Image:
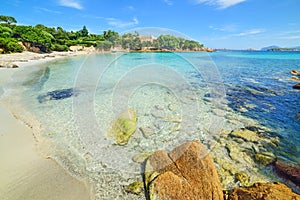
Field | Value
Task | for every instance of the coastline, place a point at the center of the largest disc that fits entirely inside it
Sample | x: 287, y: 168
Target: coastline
x: 16, y: 60
x: 24, y: 173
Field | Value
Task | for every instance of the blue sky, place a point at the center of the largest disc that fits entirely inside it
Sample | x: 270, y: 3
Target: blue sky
x: 235, y: 24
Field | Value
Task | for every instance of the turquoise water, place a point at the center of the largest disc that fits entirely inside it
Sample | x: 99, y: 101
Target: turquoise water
x: 71, y: 104
x: 263, y: 80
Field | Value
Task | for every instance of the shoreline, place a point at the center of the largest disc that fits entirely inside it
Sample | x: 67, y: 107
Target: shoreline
x: 24, y: 172
x: 16, y: 60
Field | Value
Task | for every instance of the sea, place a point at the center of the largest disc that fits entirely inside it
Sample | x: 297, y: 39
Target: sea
x: 71, y: 103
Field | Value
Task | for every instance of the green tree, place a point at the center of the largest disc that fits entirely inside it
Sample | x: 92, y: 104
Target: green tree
x: 7, y: 19
x: 5, y: 32
x: 130, y: 41
x: 84, y: 32
x: 111, y: 36
x: 104, y: 45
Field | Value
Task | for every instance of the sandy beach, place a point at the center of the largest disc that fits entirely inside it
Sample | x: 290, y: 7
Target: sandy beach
x: 24, y: 173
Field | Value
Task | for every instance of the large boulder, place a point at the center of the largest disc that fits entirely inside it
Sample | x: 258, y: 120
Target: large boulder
x: 289, y: 173
x: 264, y: 191
x: 35, y: 47
x: 123, y: 127
x: 187, y: 172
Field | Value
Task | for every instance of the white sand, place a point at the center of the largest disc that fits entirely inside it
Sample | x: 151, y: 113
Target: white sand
x: 24, y: 174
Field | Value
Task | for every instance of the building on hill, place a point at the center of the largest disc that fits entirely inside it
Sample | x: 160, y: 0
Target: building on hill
x: 147, y: 38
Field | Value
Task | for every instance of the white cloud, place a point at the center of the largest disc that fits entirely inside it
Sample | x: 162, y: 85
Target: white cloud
x: 38, y: 9
x: 226, y: 28
x: 221, y: 4
x: 71, y: 3
x: 168, y: 2
x: 122, y: 24
x: 292, y: 37
x: 250, y: 32
x: 290, y: 32
x: 130, y: 8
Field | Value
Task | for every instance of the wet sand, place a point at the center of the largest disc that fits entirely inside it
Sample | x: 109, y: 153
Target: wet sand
x: 24, y: 173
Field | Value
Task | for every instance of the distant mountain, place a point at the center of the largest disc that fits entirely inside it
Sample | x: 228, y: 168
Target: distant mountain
x: 270, y: 47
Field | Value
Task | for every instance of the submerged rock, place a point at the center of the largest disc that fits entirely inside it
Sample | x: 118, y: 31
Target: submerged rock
x: 57, y: 95
x: 135, y: 188
x: 265, y: 158
x: 265, y: 191
x: 141, y: 157
x: 123, y: 127
x: 147, y: 131
x: 297, y: 86
x: 287, y: 172
x: 245, y: 134
x: 187, y: 172
x: 243, y: 178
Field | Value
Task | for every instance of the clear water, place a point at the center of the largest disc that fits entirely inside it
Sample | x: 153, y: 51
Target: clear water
x: 177, y: 97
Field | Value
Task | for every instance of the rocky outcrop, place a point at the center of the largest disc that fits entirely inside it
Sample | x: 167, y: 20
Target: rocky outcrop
x: 187, y: 172
x: 297, y: 86
x: 123, y: 127
x: 76, y: 48
x: 241, y: 155
x: 264, y: 191
x: 289, y: 173
x: 35, y: 47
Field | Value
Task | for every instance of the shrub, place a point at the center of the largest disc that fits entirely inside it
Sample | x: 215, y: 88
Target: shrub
x: 10, y: 45
x: 58, y: 47
x: 13, y: 46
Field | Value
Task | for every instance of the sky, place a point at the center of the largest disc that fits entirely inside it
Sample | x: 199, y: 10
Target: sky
x: 231, y: 24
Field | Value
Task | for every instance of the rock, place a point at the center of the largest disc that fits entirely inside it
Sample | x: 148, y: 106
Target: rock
x: 147, y: 131
x: 187, y: 172
x: 169, y: 186
x: 264, y: 191
x: 135, y: 188
x: 227, y: 165
x: 141, y: 157
x: 57, y: 95
x: 294, y: 78
x: 14, y: 66
x: 291, y: 173
x: 175, y: 127
x: 35, y: 47
x: 297, y: 86
x: 295, y: 72
x: 8, y: 64
x: 245, y: 134
x: 173, y: 118
x: 264, y: 158
x: 76, y: 48
x: 123, y: 127
x: 242, y: 178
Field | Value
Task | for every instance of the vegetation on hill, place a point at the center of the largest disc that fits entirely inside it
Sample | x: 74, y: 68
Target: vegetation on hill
x: 14, y: 37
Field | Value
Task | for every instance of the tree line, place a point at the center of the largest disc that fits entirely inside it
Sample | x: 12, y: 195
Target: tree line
x: 57, y: 39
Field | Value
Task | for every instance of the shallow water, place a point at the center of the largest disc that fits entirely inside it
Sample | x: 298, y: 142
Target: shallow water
x: 71, y: 103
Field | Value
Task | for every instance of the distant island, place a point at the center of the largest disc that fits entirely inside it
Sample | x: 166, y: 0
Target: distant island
x: 277, y: 48
x: 43, y: 39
